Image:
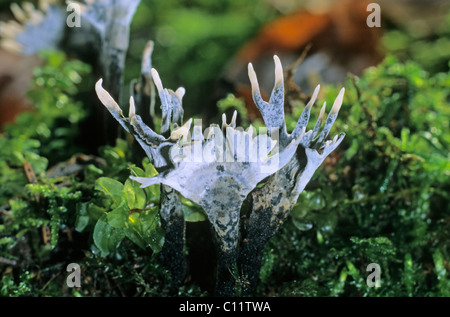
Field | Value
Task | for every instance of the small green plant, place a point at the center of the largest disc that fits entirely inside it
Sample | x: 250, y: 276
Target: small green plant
x: 48, y: 128
x: 45, y: 135
x: 123, y: 210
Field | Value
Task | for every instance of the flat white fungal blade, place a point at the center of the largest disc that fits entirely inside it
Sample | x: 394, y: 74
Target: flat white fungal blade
x: 157, y: 80
x: 132, y: 110
x: 338, y: 102
x: 278, y: 71
x: 106, y: 99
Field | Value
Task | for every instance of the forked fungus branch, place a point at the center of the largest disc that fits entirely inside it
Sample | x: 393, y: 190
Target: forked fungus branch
x: 221, y: 168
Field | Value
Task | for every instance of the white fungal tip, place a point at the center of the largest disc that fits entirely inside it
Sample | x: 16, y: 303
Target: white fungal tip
x: 338, y: 102
x: 335, y: 138
x: 278, y: 71
x: 180, y: 93
x: 322, y: 110
x: 252, y: 77
x: 313, y: 97
x: 44, y: 5
x: 181, y: 131
x: 233, y: 119
x: 251, y: 131
x: 316, y: 91
x: 28, y: 7
x: 146, y: 181
x: 132, y: 110
x: 149, y: 47
x: 232, y: 123
x: 36, y: 17
x: 210, y: 133
x: 105, y: 97
x: 11, y: 45
x: 11, y: 29
x: 157, y: 80
x: 18, y: 13
x: 146, y: 57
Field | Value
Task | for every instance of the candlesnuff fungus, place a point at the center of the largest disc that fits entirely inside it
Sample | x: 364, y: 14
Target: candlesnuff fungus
x: 221, y: 168
x: 218, y: 169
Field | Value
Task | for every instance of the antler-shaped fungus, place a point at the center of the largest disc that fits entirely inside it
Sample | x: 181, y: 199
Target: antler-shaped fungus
x: 219, y: 171
x: 272, y: 202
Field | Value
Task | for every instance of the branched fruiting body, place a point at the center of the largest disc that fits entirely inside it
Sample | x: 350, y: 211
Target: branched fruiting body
x: 221, y: 171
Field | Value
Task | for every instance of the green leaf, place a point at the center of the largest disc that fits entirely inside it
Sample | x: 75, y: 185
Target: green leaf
x: 135, y: 238
x: 136, y: 171
x: 153, y: 191
x: 95, y: 212
x: 111, y: 188
x: 134, y: 195
x: 91, y: 173
x: 149, y: 169
x: 83, y: 219
x: 107, y: 238
x: 88, y: 215
x: 145, y: 230
x: 117, y: 218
